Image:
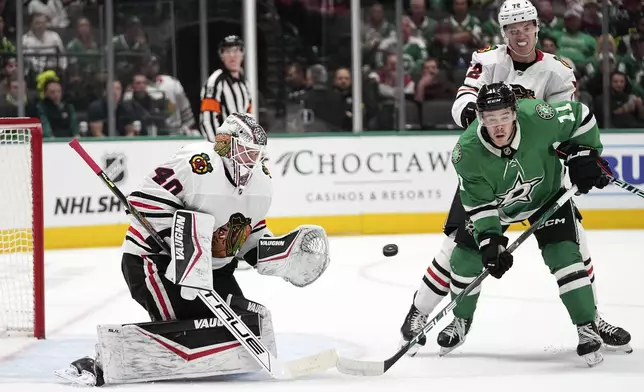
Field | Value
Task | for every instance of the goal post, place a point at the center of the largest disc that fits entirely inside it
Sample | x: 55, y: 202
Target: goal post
x: 22, y: 297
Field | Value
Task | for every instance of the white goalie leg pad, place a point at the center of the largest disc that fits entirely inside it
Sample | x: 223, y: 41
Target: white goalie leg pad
x: 146, y: 352
x: 190, y: 251
x: 300, y: 257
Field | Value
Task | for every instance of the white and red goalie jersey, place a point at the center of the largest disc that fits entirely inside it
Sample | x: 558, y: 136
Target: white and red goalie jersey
x: 195, y: 179
x: 549, y: 77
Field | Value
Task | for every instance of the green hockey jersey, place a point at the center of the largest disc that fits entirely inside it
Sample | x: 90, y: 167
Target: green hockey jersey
x: 499, y: 187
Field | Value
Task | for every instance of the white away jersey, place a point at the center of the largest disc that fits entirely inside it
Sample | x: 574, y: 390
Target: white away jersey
x: 549, y: 78
x: 195, y: 179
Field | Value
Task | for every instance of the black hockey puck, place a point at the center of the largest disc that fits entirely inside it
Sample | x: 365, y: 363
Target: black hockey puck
x: 390, y: 250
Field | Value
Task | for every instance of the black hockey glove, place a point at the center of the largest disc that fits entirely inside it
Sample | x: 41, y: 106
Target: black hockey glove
x: 586, y: 168
x: 496, y: 259
x: 521, y: 92
x: 468, y: 115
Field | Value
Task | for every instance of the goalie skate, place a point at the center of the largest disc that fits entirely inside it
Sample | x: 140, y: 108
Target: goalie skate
x: 615, y: 338
x: 453, y: 335
x: 590, y: 344
x: 83, y: 371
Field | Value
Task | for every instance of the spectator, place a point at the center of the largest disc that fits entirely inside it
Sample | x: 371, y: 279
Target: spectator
x: 9, y: 99
x: 466, y: 27
x: 375, y: 29
x: 133, y: 38
x: 572, y: 42
x: 342, y: 84
x: 414, y: 48
x: 165, y: 88
x: 146, y: 107
x: 424, y: 26
x: 58, y: 118
x: 296, y: 83
x: 98, y: 118
x: 491, y: 30
x: 323, y: 104
x: 443, y: 48
x: 84, y: 44
x: 9, y: 68
x: 632, y: 64
x: 591, y: 21
x: 386, y: 78
x: 433, y: 84
x: 54, y: 10
x: 596, y: 79
x: 7, y: 48
x: 129, y: 46
x: 625, y: 42
x: 626, y: 108
x: 46, y: 43
x: 548, y: 45
x: 624, y: 16
x: 549, y: 23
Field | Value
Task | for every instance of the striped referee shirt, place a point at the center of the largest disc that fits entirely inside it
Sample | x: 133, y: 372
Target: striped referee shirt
x: 222, y: 95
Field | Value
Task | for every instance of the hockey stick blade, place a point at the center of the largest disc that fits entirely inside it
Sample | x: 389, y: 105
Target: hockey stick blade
x: 315, y: 363
x: 376, y: 368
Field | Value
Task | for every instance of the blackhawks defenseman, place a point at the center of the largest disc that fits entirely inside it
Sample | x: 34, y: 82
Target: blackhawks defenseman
x: 508, y: 171
x: 531, y: 74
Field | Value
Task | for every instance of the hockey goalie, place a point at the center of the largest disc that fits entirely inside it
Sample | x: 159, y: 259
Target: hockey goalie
x: 208, y: 202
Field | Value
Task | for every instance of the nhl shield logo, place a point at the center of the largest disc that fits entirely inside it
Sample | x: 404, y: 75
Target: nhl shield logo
x: 545, y: 111
x: 115, y: 167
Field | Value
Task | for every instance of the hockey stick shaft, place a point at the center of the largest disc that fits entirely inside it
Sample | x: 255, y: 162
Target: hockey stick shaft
x: 370, y: 368
x: 216, y: 304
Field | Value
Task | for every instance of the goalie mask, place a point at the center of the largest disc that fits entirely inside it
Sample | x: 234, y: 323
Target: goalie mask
x: 240, y: 141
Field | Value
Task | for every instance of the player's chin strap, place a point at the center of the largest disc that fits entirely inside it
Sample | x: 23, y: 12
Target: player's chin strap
x: 300, y: 257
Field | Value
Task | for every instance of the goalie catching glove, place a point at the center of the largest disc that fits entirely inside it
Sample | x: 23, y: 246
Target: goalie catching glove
x: 299, y: 257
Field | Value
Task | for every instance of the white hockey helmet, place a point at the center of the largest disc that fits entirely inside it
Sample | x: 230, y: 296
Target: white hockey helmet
x: 241, y: 141
x: 514, y: 11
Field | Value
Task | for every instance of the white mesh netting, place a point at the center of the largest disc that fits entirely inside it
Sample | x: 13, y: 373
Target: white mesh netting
x: 16, y: 241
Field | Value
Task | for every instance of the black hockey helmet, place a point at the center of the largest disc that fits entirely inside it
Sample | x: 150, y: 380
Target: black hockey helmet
x: 231, y: 41
x: 495, y: 96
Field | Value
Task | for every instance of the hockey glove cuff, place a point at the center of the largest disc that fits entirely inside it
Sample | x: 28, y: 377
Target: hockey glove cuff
x: 495, y: 257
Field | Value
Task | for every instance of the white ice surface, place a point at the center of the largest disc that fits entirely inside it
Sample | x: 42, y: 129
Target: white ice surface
x: 521, y: 339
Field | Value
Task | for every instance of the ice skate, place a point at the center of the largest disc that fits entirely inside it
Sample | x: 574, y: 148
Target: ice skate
x: 615, y: 338
x: 84, y: 371
x: 590, y: 343
x: 453, y: 335
x: 413, y: 324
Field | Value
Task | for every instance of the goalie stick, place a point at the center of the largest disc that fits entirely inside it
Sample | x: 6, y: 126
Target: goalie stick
x: 377, y: 368
x: 280, y: 370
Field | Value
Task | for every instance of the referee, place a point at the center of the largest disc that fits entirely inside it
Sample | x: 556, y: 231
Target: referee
x: 225, y: 91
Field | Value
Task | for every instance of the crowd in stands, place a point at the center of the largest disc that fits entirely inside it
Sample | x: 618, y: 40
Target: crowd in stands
x: 439, y: 37
x: 65, y: 64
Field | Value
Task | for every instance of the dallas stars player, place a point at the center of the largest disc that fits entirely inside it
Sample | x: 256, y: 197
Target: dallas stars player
x: 531, y: 74
x: 508, y: 171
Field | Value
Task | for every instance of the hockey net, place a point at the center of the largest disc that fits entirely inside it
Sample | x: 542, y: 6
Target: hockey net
x: 21, y: 229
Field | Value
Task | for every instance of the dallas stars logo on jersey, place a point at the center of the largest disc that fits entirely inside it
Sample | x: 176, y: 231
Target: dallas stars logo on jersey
x: 520, y: 192
x: 545, y: 111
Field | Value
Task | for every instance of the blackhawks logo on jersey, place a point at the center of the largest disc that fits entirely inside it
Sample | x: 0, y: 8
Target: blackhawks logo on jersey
x: 520, y: 192
x: 488, y: 48
x: 457, y: 153
x: 545, y: 111
x: 200, y: 164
